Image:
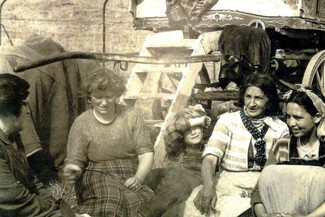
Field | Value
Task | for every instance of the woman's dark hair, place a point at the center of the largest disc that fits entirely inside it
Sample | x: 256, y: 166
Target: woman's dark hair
x: 103, y: 79
x: 13, y: 91
x: 267, y: 84
x: 302, y: 99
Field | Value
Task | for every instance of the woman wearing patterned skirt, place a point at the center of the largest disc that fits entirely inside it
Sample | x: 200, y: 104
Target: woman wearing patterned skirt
x: 109, y: 152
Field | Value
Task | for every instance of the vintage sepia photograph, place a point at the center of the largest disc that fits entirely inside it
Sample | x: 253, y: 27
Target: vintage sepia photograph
x: 162, y: 108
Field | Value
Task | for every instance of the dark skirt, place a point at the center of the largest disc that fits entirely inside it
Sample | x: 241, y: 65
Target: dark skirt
x: 101, y: 191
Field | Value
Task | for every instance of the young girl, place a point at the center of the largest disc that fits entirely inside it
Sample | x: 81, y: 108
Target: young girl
x: 295, y: 185
x: 184, y: 146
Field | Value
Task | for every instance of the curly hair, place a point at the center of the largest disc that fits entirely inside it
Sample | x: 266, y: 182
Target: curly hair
x: 191, y: 112
x: 102, y: 79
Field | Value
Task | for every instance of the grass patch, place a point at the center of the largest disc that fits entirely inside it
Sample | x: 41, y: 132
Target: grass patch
x: 65, y: 191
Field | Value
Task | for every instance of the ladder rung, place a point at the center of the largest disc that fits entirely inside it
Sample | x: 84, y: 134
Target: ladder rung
x: 165, y: 96
x: 184, y: 43
x: 160, y: 68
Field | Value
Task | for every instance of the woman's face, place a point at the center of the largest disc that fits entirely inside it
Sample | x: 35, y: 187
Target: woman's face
x: 103, y: 101
x: 193, y: 136
x: 255, y: 102
x: 299, y: 120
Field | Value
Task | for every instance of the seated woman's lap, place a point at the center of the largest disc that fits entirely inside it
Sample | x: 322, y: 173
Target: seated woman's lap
x: 231, y: 186
x: 291, y: 188
x: 102, y: 195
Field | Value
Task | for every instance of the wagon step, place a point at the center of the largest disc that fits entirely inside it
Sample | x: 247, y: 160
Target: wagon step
x: 161, y: 90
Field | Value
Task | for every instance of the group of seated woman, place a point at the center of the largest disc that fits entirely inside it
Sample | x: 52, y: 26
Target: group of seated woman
x: 261, y: 164
x: 253, y: 157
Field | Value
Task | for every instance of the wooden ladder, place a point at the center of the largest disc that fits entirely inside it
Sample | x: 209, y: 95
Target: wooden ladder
x: 150, y: 85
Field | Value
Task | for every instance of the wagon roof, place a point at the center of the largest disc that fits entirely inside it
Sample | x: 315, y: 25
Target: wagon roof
x: 299, y: 14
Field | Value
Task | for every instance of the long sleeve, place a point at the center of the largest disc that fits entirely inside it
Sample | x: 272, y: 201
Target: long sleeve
x: 17, y: 200
x: 173, y: 134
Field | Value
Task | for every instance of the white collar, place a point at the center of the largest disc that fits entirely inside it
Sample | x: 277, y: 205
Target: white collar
x: 308, y: 153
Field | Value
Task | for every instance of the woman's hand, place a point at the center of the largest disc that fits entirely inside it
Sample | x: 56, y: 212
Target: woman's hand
x: 207, y: 121
x: 203, y: 121
x: 71, y: 173
x: 144, y: 167
x: 133, y: 183
x: 205, y: 201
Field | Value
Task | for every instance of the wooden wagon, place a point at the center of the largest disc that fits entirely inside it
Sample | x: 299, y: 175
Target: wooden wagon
x: 176, y: 57
x: 295, y: 27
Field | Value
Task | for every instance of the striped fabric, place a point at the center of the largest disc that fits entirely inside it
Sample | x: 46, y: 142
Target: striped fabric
x: 101, y: 191
x: 281, y: 150
x: 230, y: 140
x: 286, y: 151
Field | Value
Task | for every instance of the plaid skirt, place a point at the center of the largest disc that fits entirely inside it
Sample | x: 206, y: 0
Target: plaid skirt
x: 101, y: 191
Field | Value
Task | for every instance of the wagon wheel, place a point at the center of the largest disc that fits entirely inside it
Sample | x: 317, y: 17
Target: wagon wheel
x: 314, y: 76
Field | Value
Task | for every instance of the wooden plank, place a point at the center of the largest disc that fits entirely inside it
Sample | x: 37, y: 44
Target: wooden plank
x: 182, y: 97
x: 135, y: 83
x: 217, y: 95
x: 173, y: 68
x: 165, y: 37
x: 147, y: 96
x: 182, y: 43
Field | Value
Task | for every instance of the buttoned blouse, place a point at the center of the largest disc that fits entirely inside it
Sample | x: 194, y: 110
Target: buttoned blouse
x: 230, y: 141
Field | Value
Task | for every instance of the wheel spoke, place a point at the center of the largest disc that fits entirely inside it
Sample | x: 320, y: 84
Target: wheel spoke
x: 322, y: 73
x: 317, y: 79
x: 314, y: 76
x: 320, y: 78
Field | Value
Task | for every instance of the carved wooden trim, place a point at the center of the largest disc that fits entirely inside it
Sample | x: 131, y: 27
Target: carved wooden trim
x: 214, y: 20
